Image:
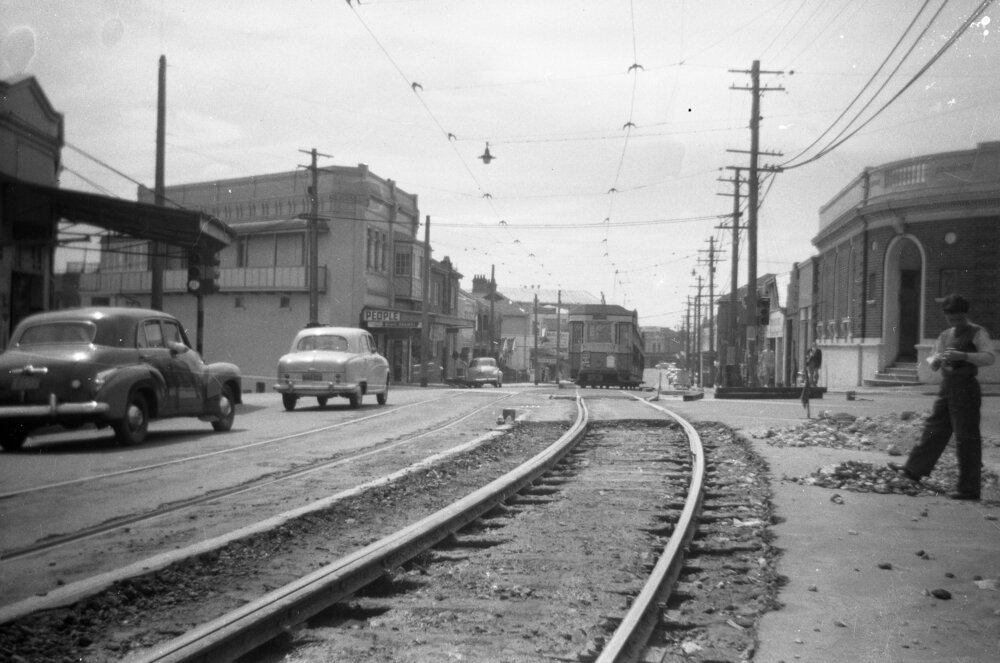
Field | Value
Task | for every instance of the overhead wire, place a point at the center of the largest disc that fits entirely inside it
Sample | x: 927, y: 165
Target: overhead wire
x: 839, y: 140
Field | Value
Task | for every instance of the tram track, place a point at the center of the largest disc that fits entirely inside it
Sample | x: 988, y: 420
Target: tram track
x: 482, y: 524
x: 268, y: 480
x: 149, y: 467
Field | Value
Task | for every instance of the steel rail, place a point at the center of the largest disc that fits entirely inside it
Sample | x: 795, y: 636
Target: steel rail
x: 632, y: 634
x: 238, y: 632
x: 52, y: 542
x: 228, y: 450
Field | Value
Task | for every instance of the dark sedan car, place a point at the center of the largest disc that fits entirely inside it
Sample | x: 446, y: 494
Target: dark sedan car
x: 118, y: 367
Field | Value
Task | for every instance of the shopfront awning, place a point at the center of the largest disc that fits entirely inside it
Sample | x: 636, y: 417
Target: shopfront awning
x: 30, y: 206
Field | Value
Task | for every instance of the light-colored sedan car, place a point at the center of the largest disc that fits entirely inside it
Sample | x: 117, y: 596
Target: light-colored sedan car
x: 483, y: 370
x: 332, y: 361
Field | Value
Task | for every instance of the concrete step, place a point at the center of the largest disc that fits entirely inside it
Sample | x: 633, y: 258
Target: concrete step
x: 881, y: 380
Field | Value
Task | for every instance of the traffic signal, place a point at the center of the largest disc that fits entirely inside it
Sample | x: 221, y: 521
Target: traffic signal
x: 202, y: 275
x: 210, y: 277
x: 763, y: 310
x: 194, y: 279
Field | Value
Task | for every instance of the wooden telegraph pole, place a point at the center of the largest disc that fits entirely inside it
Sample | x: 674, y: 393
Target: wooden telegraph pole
x: 754, y: 184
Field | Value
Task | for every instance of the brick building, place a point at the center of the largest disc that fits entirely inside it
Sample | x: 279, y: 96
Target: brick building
x: 891, y: 245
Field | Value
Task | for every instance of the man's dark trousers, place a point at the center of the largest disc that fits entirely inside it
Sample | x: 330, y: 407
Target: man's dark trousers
x: 956, y: 410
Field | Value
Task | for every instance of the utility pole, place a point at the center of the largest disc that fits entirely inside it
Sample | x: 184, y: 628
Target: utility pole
x: 535, y: 327
x: 711, y: 311
x: 754, y: 181
x: 732, y: 334
x: 558, y: 332
x: 687, y: 339
x: 493, y: 351
x: 313, y: 237
x: 425, y: 336
x: 157, y: 248
x: 697, y: 322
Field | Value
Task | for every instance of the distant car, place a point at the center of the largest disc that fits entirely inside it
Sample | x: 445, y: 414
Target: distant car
x: 332, y: 361
x: 483, y: 370
x: 118, y: 367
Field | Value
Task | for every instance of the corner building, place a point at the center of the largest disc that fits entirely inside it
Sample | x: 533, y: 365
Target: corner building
x: 370, y: 270
x: 891, y: 245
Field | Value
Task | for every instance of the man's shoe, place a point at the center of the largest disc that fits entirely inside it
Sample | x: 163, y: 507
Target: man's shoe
x: 963, y: 496
x: 902, y: 471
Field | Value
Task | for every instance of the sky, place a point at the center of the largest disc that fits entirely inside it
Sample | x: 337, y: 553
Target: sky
x: 615, y: 124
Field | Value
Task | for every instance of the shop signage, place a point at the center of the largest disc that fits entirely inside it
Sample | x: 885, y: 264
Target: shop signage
x: 376, y: 317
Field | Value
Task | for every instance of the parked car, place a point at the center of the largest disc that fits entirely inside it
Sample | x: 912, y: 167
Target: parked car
x: 483, y: 370
x: 118, y: 367
x: 332, y: 361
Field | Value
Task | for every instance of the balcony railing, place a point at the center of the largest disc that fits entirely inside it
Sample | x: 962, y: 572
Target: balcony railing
x: 239, y: 279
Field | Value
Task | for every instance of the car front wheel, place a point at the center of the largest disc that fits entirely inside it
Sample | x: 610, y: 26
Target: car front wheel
x: 383, y: 395
x: 288, y: 400
x: 227, y: 410
x: 355, y: 399
x: 131, y: 429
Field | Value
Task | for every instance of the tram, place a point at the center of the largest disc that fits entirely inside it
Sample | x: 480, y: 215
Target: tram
x: 605, y: 346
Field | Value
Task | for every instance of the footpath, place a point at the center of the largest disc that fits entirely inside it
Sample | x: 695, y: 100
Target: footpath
x: 864, y: 570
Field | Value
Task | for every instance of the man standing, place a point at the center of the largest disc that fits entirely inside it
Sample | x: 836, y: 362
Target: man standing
x: 814, y: 359
x: 959, y: 352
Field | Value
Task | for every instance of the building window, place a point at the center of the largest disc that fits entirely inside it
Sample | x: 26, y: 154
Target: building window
x: 238, y: 302
x: 290, y: 250
x: 949, y: 282
x: 285, y: 303
x: 370, y: 260
x: 404, y: 264
x: 384, y: 242
x: 242, y: 246
x: 100, y: 301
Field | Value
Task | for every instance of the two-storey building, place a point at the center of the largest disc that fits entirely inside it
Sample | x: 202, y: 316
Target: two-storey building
x: 370, y: 269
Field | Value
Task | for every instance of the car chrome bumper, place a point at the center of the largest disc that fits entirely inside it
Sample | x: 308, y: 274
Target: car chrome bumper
x: 54, y: 409
x: 311, y: 388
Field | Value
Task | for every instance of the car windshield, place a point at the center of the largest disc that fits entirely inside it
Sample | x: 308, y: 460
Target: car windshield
x: 56, y: 333
x: 324, y: 342
x: 483, y: 362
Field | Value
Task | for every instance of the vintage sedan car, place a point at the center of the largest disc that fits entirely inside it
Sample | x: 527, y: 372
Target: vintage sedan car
x: 483, y: 370
x: 118, y: 367
x: 332, y: 361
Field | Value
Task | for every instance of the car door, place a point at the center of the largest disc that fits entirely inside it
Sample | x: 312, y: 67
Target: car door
x: 373, y: 365
x: 186, y: 366
x: 153, y: 351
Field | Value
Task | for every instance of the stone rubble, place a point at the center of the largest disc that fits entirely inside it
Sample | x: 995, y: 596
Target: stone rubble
x: 890, y: 434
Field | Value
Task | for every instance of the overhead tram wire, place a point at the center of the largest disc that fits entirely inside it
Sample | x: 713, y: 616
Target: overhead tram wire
x: 634, y: 70
x: 413, y: 85
x: 977, y: 12
x: 593, y: 224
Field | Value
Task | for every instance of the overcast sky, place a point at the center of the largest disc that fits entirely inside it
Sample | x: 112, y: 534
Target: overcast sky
x: 611, y: 120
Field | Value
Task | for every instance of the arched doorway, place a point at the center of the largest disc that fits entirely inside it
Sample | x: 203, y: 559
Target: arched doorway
x: 903, y: 310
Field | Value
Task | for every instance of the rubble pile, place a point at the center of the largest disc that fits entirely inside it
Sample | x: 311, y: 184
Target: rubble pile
x: 892, y: 434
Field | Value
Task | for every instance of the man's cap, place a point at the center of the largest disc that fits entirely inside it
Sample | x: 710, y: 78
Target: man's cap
x: 955, y: 304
